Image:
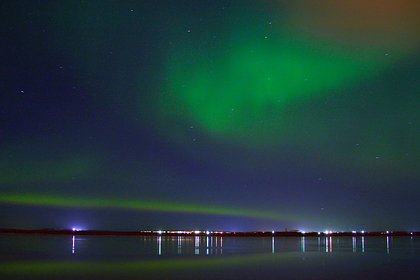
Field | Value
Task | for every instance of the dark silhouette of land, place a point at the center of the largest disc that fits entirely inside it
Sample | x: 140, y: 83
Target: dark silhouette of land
x: 204, y: 233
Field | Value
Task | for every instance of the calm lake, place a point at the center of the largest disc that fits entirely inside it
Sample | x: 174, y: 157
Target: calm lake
x: 103, y: 257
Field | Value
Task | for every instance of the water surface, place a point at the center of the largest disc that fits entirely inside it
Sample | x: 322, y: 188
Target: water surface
x: 194, y: 257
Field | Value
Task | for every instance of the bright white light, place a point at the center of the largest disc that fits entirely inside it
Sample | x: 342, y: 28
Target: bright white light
x: 303, y: 232
x: 319, y: 233
x: 272, y: 231
x: 363, y: 232
x: 207, y: 232
x: 326, y: 232
x: 73, y: 244
x: 353, y: 231
x: 411, y: 233
x: 387, y: 232
x: 159, y: 232
x: 73, y: 229
x: 197, y: 232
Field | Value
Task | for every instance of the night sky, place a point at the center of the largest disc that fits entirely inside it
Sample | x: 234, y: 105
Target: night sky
x: 231, y: 115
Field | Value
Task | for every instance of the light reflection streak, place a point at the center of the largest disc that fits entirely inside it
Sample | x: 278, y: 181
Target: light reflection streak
x: 159, y: 243
x: 207, y: 245
x: 197, y: 245
x: 272, y: 245
x: 303, y: 244
x: 387, y: 244
x: 326, y: 244
x: 331, y: 245
x: 363, y: 244
x: 354, y: 241
x: 73, y: 247
x: 179, y: 245
x: 221, y: 245
x: 162, y: 267
x: 319, y: 244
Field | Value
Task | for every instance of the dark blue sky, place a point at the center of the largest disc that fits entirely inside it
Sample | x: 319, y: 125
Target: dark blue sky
x: 235, y: 115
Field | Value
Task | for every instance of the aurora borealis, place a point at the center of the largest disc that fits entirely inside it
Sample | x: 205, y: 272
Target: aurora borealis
x: 238, y: 115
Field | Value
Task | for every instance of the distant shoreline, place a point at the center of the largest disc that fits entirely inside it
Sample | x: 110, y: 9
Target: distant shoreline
x: 203, y: 233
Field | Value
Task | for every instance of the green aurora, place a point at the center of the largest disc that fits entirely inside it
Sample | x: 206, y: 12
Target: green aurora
x: 245, y: 105
x: 125, y: 204
x: 245, y: 93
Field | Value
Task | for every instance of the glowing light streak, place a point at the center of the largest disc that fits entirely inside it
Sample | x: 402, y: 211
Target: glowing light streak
x: 159, y: 245
x: 354, y: 242
x: 331, y: 245
x: 197, y: 245
x: 179, y: 245
x: 363, y: 244
x: 303, y: 244
x: 73, y: 247
x: 326, y: 245
x: 207, y: 245
x: 155, y: 206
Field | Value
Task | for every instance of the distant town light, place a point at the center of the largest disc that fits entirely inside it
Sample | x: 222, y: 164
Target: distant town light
x: 73, y: 229
x: 319, y: 232
x: 387, y: 232
x: 303, y: 232
x: 197, y: 232
x: 159, y: 232
x: 272, y: 231
x: 363, y: 232
x: 353, y: 231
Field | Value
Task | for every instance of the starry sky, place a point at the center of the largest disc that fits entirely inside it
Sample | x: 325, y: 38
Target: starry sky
x: 231, y: 115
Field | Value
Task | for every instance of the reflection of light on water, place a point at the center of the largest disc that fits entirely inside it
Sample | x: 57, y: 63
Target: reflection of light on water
x: 272, y: 245
x: 363, y: 244
x: 354, y: 243
x: 331, y: 245
x: 159, y: 243
x: 387, y: 244
x: 326, y: 244
x: 73, y: 247
x: 215, y: 243
x: 179, y: 245
x: 303, y: 244
x: 319, y: 244
x: 197, y: 245
x: 219, y: 245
